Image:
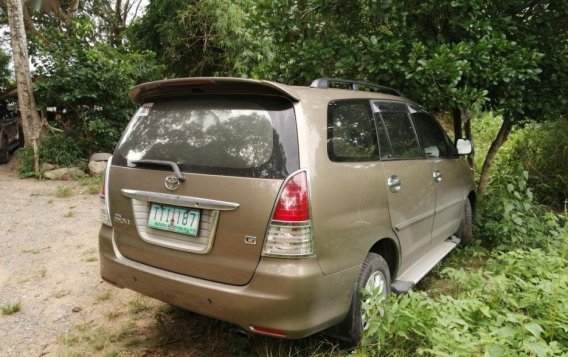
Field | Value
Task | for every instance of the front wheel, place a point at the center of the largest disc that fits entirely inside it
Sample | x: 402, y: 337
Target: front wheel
x: 375, y: 280
x: 465, y: 231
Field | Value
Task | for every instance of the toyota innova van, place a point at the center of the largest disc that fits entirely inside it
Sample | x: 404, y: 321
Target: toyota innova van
x: 272, y: 206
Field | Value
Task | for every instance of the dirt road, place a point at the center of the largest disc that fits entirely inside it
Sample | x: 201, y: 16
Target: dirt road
x: 48, y: 261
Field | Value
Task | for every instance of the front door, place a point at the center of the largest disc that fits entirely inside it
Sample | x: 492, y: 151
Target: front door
x: 447, y: 174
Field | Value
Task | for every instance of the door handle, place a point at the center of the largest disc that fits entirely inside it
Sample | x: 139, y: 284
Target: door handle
x: 437, y: 176
x: 394, y: 183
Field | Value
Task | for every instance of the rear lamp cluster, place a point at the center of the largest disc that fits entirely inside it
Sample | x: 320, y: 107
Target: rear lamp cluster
x: 289, y: 233
x: 104, y: 213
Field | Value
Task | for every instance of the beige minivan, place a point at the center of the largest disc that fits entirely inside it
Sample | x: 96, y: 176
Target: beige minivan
x: 272, y: 206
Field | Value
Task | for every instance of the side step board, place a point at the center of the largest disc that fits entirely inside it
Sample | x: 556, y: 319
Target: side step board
x: 411, y: 276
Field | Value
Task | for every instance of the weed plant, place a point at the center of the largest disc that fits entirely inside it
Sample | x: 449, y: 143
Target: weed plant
x: 10, y: 309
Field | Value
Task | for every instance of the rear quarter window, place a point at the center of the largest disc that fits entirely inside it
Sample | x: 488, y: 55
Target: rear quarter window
x: 351, y: 132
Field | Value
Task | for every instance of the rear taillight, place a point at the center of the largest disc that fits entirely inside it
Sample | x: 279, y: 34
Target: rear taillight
x: 105, y: 214
x: 289, y: 233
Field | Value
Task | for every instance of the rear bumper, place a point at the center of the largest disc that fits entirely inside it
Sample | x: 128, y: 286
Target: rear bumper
x: 292, y: 296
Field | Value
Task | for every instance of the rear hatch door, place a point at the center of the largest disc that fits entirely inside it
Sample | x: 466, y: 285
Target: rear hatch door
x: 234, y: 151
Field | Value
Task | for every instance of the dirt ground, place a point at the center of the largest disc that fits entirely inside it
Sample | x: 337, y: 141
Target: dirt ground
x: 48, y: 262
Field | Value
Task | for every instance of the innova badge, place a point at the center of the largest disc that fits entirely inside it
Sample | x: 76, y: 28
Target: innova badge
x: 172, y: 183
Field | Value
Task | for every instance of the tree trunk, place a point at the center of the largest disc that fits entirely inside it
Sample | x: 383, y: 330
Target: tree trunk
x: 468, y: 136
x: 31, y: 122
x: 495, y: 145
x: 457, y: 118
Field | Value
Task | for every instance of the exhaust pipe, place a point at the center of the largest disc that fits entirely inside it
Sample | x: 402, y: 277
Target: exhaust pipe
x: 241, y: 332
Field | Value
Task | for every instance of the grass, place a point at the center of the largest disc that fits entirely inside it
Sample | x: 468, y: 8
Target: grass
x: 92, y: 184
x: 61, y: 293
x: 104, y: 296
x: 69, y: 214
x: 138, y: 305
x: 163, y: 330
x: 11, y: 308
x: 63, y: 192
x: 31, y: 251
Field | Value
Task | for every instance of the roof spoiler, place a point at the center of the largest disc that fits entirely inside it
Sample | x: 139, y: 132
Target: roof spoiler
x: 214, y: 85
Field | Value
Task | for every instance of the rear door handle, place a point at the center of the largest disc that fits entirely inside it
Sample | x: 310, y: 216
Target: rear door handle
x: 394, y: 183
x: 437, y: 176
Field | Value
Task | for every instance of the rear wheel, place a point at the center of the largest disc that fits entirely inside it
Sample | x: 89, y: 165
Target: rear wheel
x: 465, y: 231
x: 21, y: 141
x: 375, y: 279
x: 4, y: 151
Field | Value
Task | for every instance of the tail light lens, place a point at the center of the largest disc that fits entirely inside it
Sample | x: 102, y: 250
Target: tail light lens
x: 105, y: 214
x: 289, y: 233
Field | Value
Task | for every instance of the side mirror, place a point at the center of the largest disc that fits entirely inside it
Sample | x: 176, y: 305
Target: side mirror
x: 464, y: 147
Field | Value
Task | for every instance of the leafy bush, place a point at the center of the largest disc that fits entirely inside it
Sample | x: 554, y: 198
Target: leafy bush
x: 87, y: 82
x: 511, y: 217
x: 57, y: 149
x: 516, y: 304
x: 542, y: 149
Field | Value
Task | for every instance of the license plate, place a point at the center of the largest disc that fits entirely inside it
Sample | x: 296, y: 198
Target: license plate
x: 174, y: 219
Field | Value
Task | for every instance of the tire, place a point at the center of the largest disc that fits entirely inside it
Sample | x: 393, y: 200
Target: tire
x: 4, y: 151
x: 21, y: 140
x: 465, y: 231
x: 374, y: 270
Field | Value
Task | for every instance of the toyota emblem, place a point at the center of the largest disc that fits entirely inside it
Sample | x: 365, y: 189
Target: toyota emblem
x: 172, y: 183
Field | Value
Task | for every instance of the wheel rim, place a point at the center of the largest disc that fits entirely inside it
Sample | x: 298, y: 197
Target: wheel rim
x: 376, y: 287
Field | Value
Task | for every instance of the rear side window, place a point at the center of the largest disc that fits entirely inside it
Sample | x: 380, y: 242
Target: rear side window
x: 234, y: 135
x: 351, y: 133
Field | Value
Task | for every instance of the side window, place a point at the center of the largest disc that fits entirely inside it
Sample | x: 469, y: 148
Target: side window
x: 433, y: 141
x: 351, y: 133
x: 401, y: 134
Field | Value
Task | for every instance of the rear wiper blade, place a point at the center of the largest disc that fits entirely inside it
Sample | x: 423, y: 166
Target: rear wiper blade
x: 173, y: 165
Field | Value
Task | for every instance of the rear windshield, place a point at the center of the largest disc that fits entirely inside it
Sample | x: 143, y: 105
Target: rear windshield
x: 252, y: 136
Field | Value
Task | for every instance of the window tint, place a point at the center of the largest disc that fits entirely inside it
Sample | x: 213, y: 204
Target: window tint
x: 401, y: 134
x: 231, y: 135
x: 384, y: 145
x: 351, y: 131
x: 432, y: 138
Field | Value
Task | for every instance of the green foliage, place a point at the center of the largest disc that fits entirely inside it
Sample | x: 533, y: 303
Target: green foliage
x: 10, y: 309
x: 88, y: 82
x: 5, y: 74
x: 484, y: 129
x: 516, y: 304
x: 510, y: 215
x: 201, y: 38
x: 542, y: 150
x: 467, y: 54
x: 55, y: 149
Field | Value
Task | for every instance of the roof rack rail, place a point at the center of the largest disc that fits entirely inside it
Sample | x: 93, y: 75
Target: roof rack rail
x: 354, y: 85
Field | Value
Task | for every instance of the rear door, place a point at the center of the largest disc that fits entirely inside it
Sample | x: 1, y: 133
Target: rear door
x: 447, y: 172
x: 410, y: 187
x: 234, y: 152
